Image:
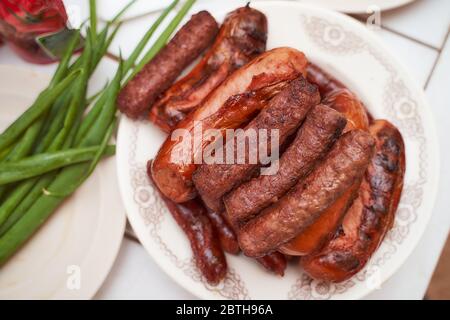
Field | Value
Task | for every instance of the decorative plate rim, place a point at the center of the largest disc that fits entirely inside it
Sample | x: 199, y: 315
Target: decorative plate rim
x: 358, y: 6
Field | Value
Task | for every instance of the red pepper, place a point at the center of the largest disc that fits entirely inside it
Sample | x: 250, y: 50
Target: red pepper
x: 23, y: 21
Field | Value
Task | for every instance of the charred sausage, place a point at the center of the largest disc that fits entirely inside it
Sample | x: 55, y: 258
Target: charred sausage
x: 172, y: 171
x: 322, y: 79
x: 241, y: 38
x: 350, y: 106
x: 157, y: 75
x: 317, y: 134
x: 209, y: 257
x: 224, y: 231
x: 314, y: 236
x: 341, y: 99
x: 274, y: 262
x: 371, y: 215
x: 303, y: 205
x: 337, y: 96
x: 285, y: 113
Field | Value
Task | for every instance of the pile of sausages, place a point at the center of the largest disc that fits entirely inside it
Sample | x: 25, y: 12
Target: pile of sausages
x: 340, y: 172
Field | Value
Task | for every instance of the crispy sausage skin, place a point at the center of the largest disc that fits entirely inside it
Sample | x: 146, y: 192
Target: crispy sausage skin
x: 284, y: 113
x: 274, y: 262
x: 156, y: 77
x: 371, y: 215
x: 192, y: 217
x: 304, y: 204
x: 225, y: 232
x: 350, y: 106
x: 241, y: 38
x: 314, y: 236
x: 322, y: 79
x: 171, y: 170
x: 347, y: 103
x: 337, y: 96
x: 315, y: 137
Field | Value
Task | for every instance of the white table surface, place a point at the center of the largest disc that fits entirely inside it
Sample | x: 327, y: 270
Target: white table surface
x: 418, y: 34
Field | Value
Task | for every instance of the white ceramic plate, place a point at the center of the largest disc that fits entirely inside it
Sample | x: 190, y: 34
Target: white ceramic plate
x: 107, y: 9
x: 358, y: 6
x: 83, y: 236
x: 346, y: 49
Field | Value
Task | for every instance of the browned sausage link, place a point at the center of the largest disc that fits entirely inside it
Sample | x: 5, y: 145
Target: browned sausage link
x: 227, y: 236
x: 172, y: 171
x: 157, y: 75
x: 274, y: 262
x: 349, y: 105
x: 284, y: 113
x: 192, y: 217
x: 303, y: 205
x: 371, y: 214
x: 337, y: 96
x: 315, y: 137
x: 322, y: 79
x: 315, y: 236
x: 242, y: 37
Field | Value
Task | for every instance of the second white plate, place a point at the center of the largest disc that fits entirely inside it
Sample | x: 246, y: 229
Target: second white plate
x: 71, y: 254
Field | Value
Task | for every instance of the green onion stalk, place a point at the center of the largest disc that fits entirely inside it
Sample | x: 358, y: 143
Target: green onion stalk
x: 40, y: 203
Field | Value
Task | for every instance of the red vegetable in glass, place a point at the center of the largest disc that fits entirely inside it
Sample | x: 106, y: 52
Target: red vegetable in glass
x: 35, y: 29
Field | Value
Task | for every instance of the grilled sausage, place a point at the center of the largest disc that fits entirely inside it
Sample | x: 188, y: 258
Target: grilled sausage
x: 227, y: 236
x: 314, y: 236
x: 337, y: 96
x: 241, y: 38
x: 319, y: 232
x: 172, y: 171
x: 350, y: 106
x: 157, y: 75
x: 192, y: 217
x: 371, y: 215
x: 320, y: 130
x: 274, y: 262
x: 303, y: 205
x: 284, y: 113
x: 322, y: 79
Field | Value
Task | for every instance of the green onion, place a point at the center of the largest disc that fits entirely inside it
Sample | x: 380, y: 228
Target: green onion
x: 45, y: 162
x: 5, y: 152
x: 162, y: 40
x: 62, y: 69
x: 141, y: 45
x: 42, y: 104
x: 33, y: 194
x: 31, y: 206
x: 93, y: 18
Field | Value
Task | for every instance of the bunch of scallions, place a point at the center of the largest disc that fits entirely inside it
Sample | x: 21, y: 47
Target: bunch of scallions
x: 53, y: 147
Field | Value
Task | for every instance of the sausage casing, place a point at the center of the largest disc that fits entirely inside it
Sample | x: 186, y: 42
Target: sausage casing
x: 314, y: 236
x: 224, y: 231
x: 371, y: 215
x: 317, y: 134
x: 274, y: 262
x: 157, y: 75
x: 284, y: 113
x: 172, y: 172
x: 303, y: 205
x: 241, y: 38
x: 337, y: 96
x: 209, y: 257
